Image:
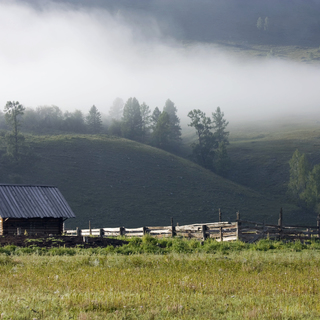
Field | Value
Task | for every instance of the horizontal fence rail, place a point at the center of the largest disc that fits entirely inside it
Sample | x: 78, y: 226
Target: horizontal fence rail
x: 221, y: 231
x: 244, y: 230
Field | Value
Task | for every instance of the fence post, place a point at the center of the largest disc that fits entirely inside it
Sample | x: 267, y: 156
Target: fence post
x: 90, y: 232
x: 221, y: 234
x: 101, y: 233
x: 220, y: 215
x: 122, y: 231
x: 318, y: 224
x: 238, y: 216
x: 145, y: 230
x: 173, y: 229
x: 78, y: 232
x: 280, y: 223
x: 204, y: 232
x: 238, y: 223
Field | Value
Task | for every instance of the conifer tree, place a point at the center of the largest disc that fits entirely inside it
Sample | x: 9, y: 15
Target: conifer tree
x: 94, y: 121
x: 175, y: 129
x: 132, y: 120
x: 219, y: 124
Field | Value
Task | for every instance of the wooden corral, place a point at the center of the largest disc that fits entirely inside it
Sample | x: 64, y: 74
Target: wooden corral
x: 243, y: 230
x: 221, y: 231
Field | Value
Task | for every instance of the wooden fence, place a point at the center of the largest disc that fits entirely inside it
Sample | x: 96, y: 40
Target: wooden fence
x: 244, y: 230
x: 251, y: 231
x: 221, y: 231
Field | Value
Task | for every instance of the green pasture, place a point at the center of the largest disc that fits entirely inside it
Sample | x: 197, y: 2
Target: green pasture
x: 267, y: 280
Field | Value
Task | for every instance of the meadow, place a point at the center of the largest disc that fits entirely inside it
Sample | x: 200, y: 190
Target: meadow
x: 183, y: 280
x: 117, y: 182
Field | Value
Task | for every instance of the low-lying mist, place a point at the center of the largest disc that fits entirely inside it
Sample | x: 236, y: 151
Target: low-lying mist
x: 74, y: 57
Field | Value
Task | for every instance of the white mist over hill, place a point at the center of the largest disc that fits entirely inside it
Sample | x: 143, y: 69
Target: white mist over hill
x: 74, y: 57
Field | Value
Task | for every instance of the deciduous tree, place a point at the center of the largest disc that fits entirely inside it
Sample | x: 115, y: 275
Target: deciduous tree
x: 260, y: 23
x: 13, y: 111
x: 74, y: 122
x: 116, y: 110
x: 311, y: 193
x: 145, y: 121
x: 299, y: 172
x: 203, y: 149
x: 161, y: 132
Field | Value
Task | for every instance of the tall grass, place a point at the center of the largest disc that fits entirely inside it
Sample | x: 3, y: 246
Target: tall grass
x: 162, y: 246
x: 267, y: 280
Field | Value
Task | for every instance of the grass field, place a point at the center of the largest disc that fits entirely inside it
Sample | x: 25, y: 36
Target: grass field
x: 304, y: 54
x: 261, y: 151
x: 117, y: 182
x: 234, y: 281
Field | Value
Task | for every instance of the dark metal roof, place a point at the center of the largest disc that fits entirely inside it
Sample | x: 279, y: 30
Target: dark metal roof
x: 27, y: 201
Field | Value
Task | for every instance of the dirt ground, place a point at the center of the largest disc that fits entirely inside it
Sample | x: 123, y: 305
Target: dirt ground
x: 59, y: 241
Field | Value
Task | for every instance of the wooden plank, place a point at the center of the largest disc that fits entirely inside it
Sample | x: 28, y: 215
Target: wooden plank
x: 159, y: 228
x: 234, y: 238
x: 160, y: 231
x: 111, y: 229
x: 135, y: 230
x: 140, y: 234
x: 302, y: 227
x: 111, y: 234
x: 188, y: 228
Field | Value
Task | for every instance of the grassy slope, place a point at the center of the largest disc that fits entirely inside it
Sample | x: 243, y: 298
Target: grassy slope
x: 114, y: 182
x: 308, y: 55
x: 261, y: 153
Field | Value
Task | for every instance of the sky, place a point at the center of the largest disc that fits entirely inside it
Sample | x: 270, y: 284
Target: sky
x: 74, y: 58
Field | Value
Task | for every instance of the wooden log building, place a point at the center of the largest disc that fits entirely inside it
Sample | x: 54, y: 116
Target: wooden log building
x: 32, y: 210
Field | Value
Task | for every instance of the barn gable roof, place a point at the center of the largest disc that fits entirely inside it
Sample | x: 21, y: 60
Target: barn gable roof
x: 27, y: 201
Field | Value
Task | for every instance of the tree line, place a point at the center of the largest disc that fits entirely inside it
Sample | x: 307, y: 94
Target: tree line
x: 304, y: 183
x: 162, y: 129
x: 131, y: 120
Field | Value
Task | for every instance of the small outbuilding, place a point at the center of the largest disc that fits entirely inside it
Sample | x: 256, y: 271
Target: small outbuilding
x: 32, y: 209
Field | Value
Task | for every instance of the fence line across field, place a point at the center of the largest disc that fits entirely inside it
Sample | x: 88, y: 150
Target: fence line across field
x: 244, y: 230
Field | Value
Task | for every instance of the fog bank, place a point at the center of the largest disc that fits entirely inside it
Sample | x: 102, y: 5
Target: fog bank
x: 74, y: 57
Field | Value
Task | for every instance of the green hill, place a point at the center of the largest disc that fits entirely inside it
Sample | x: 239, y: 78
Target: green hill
x: 114, y: 182
x: 261, y: 151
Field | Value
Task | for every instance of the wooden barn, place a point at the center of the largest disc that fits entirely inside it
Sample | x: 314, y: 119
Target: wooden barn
x: 33, y: 210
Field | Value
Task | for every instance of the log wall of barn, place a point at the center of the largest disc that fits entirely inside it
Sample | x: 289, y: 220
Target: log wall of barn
x: 33, y: 226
